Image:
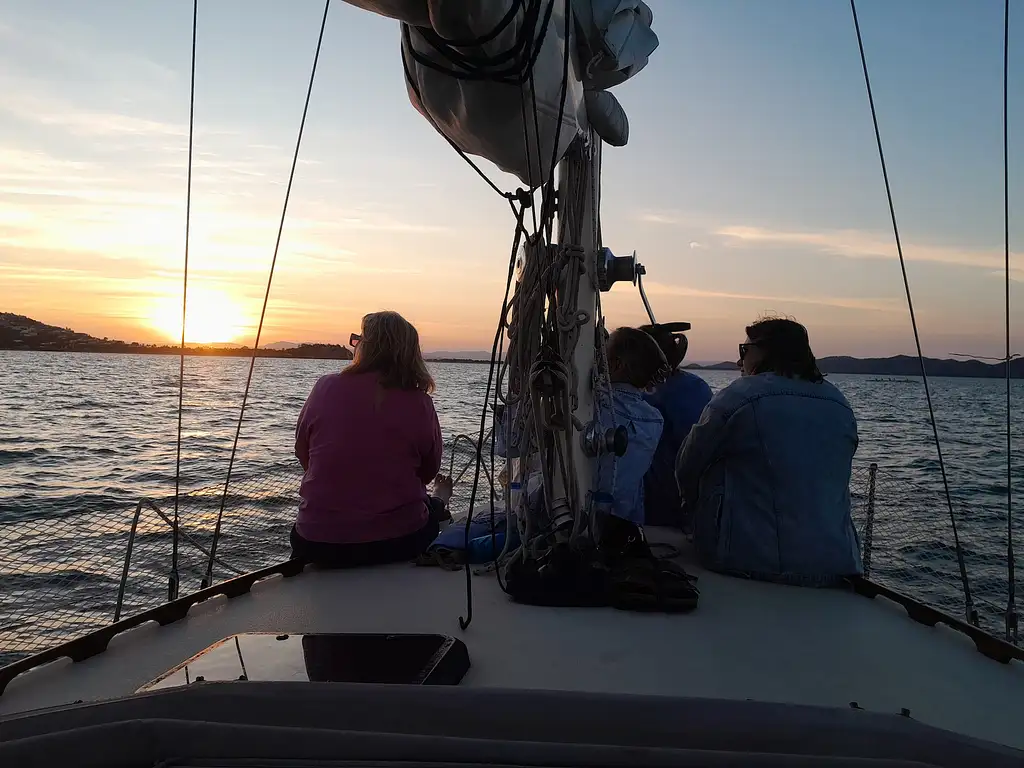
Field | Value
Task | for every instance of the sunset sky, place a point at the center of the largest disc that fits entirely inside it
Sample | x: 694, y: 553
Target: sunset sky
x: 750, y: 184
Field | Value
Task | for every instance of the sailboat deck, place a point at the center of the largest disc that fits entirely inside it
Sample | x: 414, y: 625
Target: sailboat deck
x: 747, y: 640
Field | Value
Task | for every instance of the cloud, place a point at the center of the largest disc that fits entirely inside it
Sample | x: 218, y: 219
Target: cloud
x: 75, y: 49
x: 116, y: 210
x: 858, y: 244
x: 46, y: 75
x: 863, y: 304
x: 657, y: 218
x: 846, y: 243
x: 32, y: 101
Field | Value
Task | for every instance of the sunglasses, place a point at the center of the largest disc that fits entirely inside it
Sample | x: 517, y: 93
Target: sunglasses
x: 745, y: 347
x: 354, y: 339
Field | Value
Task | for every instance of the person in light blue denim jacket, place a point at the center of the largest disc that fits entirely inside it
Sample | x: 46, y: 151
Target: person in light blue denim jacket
x: 635, y: 363
x: 766, y: 471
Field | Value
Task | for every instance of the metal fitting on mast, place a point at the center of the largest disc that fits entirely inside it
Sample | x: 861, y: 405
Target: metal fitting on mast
x: 599, y: 441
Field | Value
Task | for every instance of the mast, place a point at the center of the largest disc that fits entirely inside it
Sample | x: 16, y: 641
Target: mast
x: 578, y: 226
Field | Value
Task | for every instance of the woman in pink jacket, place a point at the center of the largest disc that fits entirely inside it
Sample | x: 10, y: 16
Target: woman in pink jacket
x: 369, y: 441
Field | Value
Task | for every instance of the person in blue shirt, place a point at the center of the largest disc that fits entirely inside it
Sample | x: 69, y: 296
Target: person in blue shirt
x: 637, y: 579
x: 680, y: 399
x: 635, y: 364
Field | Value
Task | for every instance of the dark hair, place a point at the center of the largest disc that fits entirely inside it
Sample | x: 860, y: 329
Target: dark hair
x: 634, y: 358
x: 785, y: 348
x: 673, y: 345
x: 390, y: 347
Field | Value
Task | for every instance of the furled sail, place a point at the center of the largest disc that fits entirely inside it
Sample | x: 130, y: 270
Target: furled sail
x: 495, y: 76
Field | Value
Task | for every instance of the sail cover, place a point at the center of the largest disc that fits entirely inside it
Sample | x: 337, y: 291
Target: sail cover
x: 489, y: 74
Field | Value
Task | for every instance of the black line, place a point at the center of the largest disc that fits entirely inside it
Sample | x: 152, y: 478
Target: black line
x: 266, y: 295
x: 464, y: 621
x: 968, y: 602
x: 411, y: 82
x: 1011, y: 587
x: 173, y: 579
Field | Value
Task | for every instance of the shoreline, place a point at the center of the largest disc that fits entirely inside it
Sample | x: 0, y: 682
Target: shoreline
x: 898, y: 369
x: 321, y: 352
x: 294, y: 353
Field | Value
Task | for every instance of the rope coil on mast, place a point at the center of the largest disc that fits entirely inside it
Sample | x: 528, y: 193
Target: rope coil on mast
x: 972, y: 614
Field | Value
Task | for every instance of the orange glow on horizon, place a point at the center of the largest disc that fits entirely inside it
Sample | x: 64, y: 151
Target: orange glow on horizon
x: 212, y: 317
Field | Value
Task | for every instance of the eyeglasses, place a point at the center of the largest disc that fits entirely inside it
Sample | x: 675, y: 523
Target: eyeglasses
x: 745, y: 347
x: 354, y: 339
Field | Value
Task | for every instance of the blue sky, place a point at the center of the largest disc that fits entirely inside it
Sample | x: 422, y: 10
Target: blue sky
x: 750, y: 184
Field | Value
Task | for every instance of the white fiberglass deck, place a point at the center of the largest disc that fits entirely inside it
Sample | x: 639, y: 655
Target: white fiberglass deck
x: 747, y: 640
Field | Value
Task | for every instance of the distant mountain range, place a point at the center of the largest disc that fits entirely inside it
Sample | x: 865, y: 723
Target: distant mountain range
x: 23, y: 333
x: 901, y: 365
x: 18, y: 332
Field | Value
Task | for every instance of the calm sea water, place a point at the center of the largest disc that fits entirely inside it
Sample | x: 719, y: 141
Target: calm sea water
x: 82, y: 434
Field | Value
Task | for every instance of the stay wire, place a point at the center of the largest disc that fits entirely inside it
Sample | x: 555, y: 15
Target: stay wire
x: 477, y: 66
x: 1011, y: 585
x: 411, y: 82
x: 526, y: 140
x: 172, y: 587
x: 266, y: 295
x: 464, y: 621
x: 968, y: 601
x: 494, y: 409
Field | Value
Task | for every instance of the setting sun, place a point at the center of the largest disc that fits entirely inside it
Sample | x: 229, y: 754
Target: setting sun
x: 213, y: 317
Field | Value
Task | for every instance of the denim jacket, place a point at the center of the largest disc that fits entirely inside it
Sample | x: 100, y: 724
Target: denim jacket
x: 766, y: 474
x: 643, y: 425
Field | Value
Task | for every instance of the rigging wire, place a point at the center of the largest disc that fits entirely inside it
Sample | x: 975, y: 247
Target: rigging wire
x: 524, y: 52
x: 1011, y: 587
x: 511, y: 66
x: 411, y: 82
x: 464, y: 621
x: 266, y: 295
x: 968, y: 601
x: 172, y: 586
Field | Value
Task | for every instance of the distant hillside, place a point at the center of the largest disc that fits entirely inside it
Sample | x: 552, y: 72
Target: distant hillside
x: 902, y: 365
x: 905, y: 365
x: 282, y: 345
x: 18, y: 332
x: 442, y: 355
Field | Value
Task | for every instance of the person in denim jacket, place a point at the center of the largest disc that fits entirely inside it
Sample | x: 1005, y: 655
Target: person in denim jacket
x: 635, y: 363
x: 766, y: 471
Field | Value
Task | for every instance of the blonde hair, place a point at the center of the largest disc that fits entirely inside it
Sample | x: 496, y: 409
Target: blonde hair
x: 390, y: 347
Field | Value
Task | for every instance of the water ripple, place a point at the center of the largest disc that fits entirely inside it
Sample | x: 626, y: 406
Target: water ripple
x: 83, y: 437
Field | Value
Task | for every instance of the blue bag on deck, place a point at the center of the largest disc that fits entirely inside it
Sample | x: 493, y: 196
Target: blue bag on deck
x: 483, y: 547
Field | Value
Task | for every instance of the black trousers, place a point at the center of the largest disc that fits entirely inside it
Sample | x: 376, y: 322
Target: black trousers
x: 408, y: 547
